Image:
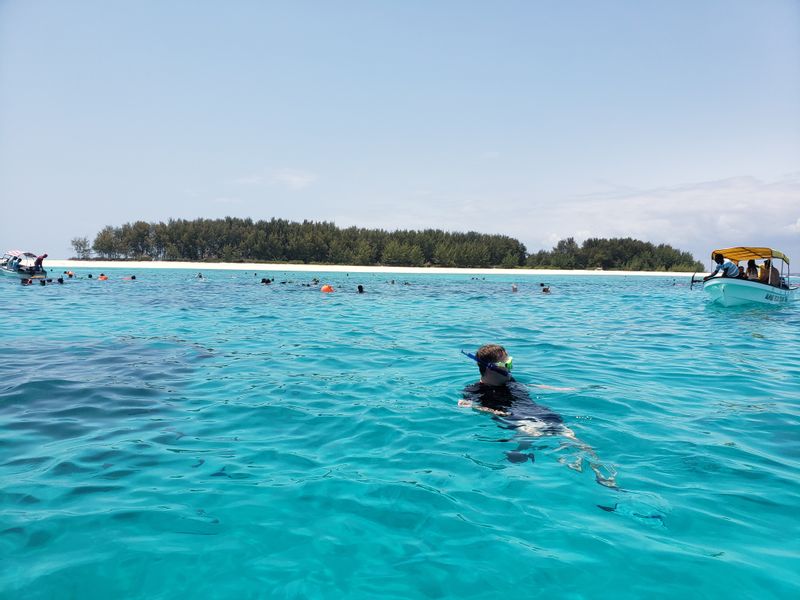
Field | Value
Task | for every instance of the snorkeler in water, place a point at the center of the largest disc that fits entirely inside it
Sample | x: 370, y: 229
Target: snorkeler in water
x: 499, y: 394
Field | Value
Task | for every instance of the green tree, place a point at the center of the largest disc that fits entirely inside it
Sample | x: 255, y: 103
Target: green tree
x: 81, y: 247
x: 321, y: 241
x: 614, y: 253
x: 106, y: 243
x: 510, y: 261
x: 395, y: 253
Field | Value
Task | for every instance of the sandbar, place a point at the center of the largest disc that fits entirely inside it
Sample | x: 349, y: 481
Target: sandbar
x: 98, y: 265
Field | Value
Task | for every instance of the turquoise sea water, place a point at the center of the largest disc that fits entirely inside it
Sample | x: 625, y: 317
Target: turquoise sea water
x: 173, y: 438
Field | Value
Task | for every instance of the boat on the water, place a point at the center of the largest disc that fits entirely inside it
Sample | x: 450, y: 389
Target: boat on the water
x: 736, y: 291
x: 21, y: 265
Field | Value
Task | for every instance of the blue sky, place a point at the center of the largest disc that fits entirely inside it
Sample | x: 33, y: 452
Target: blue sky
x: 674, y: 122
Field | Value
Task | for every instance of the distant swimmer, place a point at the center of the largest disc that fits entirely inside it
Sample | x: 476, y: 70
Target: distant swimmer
x: 199, y: 275
x: 360, y: 289
x: 514, y: 288
x: 103, y: 277
x: 265, y: 281
x: 499, y: 394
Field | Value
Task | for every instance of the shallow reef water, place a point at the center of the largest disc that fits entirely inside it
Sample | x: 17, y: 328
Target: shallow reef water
x: 173, y: 437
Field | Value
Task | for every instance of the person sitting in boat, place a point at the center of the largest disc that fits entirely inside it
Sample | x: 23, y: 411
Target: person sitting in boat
x: 752, y: 270
x: 741, y: 273
x: 728, y: 268
x: 769, y: 274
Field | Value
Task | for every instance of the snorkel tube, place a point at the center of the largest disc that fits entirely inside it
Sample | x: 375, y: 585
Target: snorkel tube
x: 488, y: 365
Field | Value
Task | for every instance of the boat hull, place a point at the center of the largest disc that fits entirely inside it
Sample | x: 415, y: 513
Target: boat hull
x: 736, y: 292
x: 23, y: 274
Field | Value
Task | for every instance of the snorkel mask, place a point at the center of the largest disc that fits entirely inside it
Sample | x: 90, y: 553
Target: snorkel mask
x: 504, y: 368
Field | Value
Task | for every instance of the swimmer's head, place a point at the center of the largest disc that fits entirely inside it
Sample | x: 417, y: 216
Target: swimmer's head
x: 494, y: 364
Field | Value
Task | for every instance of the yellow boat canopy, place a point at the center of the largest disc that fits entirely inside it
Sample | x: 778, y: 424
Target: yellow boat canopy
x: 747, y: 252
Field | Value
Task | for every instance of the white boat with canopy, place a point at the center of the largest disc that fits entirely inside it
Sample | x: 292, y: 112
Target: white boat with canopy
x: 735, y: 291
x: 21, y: 265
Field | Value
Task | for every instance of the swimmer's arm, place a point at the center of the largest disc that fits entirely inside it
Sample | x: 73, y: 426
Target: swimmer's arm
x: 550, y: 387
x: 463, y: 403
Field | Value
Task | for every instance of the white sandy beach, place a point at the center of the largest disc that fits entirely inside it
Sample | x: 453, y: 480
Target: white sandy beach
x: 311, y: 268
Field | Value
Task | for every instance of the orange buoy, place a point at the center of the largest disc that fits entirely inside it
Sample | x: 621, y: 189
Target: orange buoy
x: 326, y: 288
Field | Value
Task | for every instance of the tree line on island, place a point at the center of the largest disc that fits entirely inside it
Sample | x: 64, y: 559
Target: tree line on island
x: 278, y: 240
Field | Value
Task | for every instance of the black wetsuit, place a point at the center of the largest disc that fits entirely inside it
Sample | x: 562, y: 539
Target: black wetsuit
x: 513, y: 400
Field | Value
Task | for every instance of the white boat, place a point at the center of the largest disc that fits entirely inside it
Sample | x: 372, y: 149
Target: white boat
x: 20, y: 265
x: 731, y: 291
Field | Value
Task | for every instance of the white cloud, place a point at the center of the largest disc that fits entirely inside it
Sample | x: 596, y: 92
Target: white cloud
x: 694, y: 216
x: 292, y: 179
x: 697, y: 217
x: 248, y: 180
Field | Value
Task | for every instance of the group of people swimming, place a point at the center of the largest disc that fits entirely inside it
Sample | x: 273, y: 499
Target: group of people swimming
x: 69, y: 275
x: 545, y: 288
x: 765, y: 273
